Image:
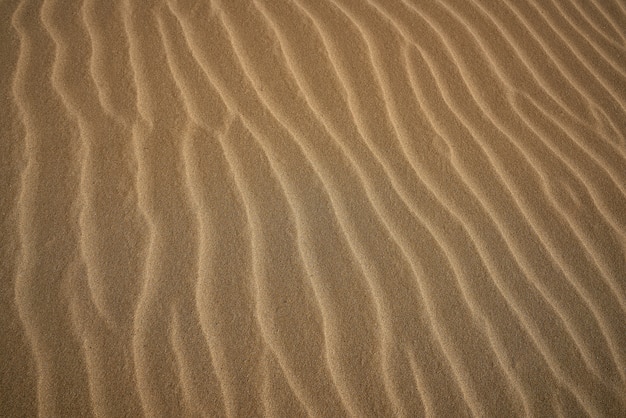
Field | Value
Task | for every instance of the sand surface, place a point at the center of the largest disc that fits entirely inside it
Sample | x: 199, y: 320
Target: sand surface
x: 325, y: 208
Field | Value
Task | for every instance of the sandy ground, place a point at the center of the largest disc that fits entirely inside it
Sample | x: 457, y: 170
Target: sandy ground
x: 326, y: 208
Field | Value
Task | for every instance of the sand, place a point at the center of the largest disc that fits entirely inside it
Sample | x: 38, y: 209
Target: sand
x: 292, y: 208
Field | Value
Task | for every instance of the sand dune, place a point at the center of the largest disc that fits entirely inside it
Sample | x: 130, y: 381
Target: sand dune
x: 313, y: 208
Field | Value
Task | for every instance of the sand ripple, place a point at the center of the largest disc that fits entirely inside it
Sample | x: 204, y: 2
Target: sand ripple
x: 305, y: 208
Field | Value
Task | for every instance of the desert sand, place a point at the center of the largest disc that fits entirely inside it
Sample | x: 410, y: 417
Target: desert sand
x: 325, y: 208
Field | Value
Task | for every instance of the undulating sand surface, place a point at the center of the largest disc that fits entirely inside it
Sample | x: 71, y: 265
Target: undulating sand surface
x: 326, y: 208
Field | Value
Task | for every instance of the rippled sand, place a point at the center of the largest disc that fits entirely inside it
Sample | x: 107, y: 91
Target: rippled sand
x: 367, y: 208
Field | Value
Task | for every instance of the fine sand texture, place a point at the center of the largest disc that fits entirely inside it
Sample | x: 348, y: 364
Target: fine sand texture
x: 324, y: 208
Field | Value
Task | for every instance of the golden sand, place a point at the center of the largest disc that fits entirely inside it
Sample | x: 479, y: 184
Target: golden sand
x: 284, y: 208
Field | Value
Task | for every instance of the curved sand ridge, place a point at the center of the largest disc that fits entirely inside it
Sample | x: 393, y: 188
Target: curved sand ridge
x: 305, y: 208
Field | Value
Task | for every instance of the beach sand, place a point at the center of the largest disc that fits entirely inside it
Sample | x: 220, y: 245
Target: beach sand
x: 292, y: 208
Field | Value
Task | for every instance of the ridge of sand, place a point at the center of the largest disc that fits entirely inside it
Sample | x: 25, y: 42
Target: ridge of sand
x: 305, y: 208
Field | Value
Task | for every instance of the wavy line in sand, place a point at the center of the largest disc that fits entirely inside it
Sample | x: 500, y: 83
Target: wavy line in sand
x: 349, y: 208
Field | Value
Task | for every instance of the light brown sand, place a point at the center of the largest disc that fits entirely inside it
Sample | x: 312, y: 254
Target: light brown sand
x: 283, y: 208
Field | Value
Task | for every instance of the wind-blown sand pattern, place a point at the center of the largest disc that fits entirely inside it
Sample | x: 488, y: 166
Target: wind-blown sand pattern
x: 313, y: 208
